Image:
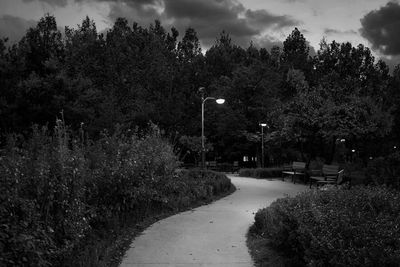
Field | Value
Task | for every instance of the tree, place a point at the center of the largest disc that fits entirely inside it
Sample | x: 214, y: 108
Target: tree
x: 41, y: 44
x: 320, y: 115
x: 189, y: 48
x: 223, y: 56
x: 295, y: 54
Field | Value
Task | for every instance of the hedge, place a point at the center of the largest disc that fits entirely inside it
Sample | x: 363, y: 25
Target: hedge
x: 261, y: 172
x: 334, y: 227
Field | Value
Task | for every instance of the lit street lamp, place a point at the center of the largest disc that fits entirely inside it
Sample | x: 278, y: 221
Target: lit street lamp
x: 203, y: 100
x: 262, y: 143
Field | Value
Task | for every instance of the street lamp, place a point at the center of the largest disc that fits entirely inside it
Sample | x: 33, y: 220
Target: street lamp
x: 262, y: 143
x: 219, y: 101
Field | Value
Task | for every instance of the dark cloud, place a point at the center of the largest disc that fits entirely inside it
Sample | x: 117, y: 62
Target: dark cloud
x: 210, y: 18
x: 382, y: 29
x: 132, y: 3
x: 14, y: 28
x: 61, y: 3
x: 219, y: 10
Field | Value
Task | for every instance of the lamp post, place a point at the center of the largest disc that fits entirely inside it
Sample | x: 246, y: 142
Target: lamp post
x: 203, y: 101
x: 262, y: 143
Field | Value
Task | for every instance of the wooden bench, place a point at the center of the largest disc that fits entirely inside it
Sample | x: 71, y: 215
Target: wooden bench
x: 330, y: 175
x: 336, y: 181
x: 296, y: 168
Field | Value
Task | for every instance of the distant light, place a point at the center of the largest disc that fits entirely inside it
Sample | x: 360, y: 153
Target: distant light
x: 353, y: 150
x: 370, y: 157
x: 263, y: 124
x: 395, y: 147
x: 220, y: 101
x: 342, y: 140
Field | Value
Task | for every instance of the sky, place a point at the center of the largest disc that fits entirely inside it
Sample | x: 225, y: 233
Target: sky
x: 373, y: 23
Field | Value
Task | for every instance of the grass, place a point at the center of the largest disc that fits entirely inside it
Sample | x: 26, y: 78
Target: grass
x: 115, y: 247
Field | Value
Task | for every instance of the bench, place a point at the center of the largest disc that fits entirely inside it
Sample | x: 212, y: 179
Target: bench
x: 296, y: 168
x: 336, y: 181
x: 330, y: 175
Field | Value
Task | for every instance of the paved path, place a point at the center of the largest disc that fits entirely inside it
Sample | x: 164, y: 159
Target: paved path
x: 210, y: 235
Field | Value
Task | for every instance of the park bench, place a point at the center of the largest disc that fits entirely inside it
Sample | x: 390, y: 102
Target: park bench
x: 330, y: 175
x: 296, y: 168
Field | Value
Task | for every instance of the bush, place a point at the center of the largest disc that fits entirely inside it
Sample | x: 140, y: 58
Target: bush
x: 247, y: 172
x: 335, y: 227
x: 261, y: 172
x: 56, y: 191
x: 385, y: 170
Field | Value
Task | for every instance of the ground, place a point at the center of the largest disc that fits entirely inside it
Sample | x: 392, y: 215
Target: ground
x: 211, y: 235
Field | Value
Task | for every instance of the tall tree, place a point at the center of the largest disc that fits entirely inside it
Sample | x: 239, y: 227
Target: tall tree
x: 223, y: 57
x: 295, y: 52
x: 42, y: 43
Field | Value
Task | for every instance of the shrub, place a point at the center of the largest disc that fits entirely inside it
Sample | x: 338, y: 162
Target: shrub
x: 261, y: 172
x: 335, y: 227
x: 268, y: 172
x: 57, y: 191
x: 384, y: 170
x: 225, y: 167
x: 247, y: 172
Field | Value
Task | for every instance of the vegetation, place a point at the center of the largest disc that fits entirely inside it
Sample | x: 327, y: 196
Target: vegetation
x: 333, y: 227
x: 131, y: 75
x: 61, y: 193
x: 261, y: 172
x: 59, y: 187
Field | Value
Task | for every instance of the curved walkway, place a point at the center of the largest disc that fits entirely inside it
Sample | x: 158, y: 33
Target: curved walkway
x: 210, y: 235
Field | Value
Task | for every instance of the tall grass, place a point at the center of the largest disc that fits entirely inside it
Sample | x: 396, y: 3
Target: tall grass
x: 60, y: 193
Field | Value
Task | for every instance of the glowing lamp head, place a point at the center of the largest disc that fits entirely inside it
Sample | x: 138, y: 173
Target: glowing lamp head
x: 263, y: 124
x: 220, y: 101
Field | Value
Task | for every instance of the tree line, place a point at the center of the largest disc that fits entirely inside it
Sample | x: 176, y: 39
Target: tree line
x: 131, y: 75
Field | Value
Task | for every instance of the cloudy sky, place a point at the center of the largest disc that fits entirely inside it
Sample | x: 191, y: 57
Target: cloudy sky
x: 373, y: 23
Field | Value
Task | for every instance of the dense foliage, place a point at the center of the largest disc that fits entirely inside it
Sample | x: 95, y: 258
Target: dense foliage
x: 384, y: 170
x: 261, y: 172
x: 131, y: 75
x: 55, y: 190
x: 334, y: 227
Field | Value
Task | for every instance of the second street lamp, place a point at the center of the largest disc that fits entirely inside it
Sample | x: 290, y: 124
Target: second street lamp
x: 203, y: 100
x: 262, y: 143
